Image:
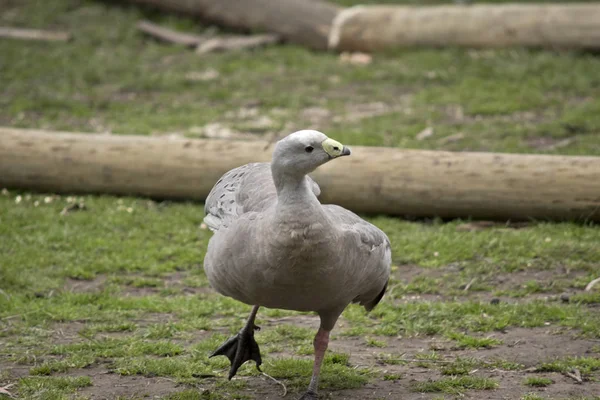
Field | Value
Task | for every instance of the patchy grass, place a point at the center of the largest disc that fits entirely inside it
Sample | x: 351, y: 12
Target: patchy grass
x: 532, y: 396
x: 466, y: 341
x: 119, y: 286
x: 456, y: 385
x: 371, y: 342
x: 117, y: 80
x: 461, y: 366
x: 585, y: 365
x: 52, y: 387
x: 335, y: 374
x: 68, y: 300
x: 537, y: 381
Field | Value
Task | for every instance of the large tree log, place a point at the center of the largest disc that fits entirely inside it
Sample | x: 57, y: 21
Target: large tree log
x: 374, y: 28
x: 372, y: 179
x: 305, y: 22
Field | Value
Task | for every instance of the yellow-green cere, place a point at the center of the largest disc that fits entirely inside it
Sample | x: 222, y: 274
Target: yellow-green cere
x: 332, y: 147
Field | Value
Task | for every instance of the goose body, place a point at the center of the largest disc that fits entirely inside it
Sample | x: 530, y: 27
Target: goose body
x: 275, y: 245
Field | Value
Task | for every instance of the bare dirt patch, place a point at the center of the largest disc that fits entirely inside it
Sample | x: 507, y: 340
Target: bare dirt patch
x: 553, y: 281
x: 107, y: 385
x: 86, y: 286
x: 529, y: 347
x: 532, y: 346
x: 67, y: 332
x: 303, y: 321
x: 174, y: 281
x: 546, y: 143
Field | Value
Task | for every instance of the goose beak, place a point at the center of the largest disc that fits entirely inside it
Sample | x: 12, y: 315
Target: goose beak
x: 334, y: 149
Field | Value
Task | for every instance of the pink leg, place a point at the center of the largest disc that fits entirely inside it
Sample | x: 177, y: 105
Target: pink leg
x: 321, y: 341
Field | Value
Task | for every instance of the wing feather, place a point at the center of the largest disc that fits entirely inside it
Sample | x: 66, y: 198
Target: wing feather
x: 248, y: 188
x: 376, y: 253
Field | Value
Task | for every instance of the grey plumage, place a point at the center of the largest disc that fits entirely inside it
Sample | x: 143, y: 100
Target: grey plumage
x: 319, y: 258
x: 243, y: 189
x: 275, y: 245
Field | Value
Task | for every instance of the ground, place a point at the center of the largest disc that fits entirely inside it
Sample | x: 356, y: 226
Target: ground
x: 109, y: 300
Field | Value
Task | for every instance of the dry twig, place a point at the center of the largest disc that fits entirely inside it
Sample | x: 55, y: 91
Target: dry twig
x: 170, y: 36
x: 4, y: 390
x: 468, y: 285
x: 34, y: 34
x: 575, y: 375
x: 72, y: 207
x: 590, y: 285
x: 276, y: 381
x: 230, y: 43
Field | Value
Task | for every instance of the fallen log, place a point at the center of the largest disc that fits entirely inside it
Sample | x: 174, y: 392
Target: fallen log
x: 555, y: 26
x: 297, y: 21
x: 372, y: 180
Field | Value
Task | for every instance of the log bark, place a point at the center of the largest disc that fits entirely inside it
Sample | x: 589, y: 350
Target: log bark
x: 556, y: 26
x: 305, y: 22
x: 371, y: 180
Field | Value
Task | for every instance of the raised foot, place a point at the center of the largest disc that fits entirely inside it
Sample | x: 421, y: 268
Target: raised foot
x: 239, y: 349
x: 310, y: 395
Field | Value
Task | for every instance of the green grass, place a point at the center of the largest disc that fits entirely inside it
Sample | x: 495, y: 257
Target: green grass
x: 532, y: 396
x: 585, y: 365
x: 466, y: 341
x: 119, y: 286
x: 456, y: 385
x: 371, y: 342
x: 538, y: 381
x: 52, y: 387
x: 460, y: 366
x: 335, y: 373
x: 392, y: 377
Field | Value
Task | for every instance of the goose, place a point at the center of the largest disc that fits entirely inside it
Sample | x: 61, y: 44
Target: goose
x: 276, y: 246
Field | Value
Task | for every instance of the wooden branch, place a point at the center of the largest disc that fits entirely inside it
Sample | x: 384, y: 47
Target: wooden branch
x: 229, y: 43
x: 372, y: 180
x: 169, y: 35
x: 374, y: 28
x: 297, y: 21
x: 34, y: 34
x: 207, y: 44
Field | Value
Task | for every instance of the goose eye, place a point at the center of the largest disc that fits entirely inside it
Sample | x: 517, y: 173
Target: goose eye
x: 308, y: 149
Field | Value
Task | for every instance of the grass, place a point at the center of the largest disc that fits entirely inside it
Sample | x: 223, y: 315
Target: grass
x: 460, y: 366
x: 336, y: 373
x: 536, y: 381
x: 532, y: 396
x: 466, y: 341
x: 456, y: 385
x: 52, y: 387
x: 119, y: 286
x: 585, y: 365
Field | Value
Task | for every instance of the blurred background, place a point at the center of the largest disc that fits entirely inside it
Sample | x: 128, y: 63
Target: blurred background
x: 112, y: 78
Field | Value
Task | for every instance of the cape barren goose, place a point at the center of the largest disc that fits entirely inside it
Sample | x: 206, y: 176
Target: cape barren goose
x: 275, y: 245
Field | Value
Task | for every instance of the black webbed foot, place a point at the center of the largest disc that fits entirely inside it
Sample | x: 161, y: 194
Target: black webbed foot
x: 239, y: 349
